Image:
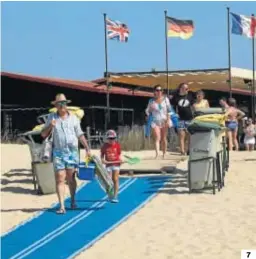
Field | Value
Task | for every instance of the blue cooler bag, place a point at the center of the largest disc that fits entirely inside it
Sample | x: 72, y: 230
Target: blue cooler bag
x: 174, y: 118
x: 86, y: 172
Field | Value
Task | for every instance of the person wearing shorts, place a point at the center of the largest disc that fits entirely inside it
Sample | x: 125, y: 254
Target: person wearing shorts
x: 233, y: 116
x: 250, y: 134
x: 110, y: 156
x: 66, y: 131
x: 159, y: 108
x: 183, y: 102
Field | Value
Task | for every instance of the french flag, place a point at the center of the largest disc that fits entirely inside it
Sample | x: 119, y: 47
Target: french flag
x: 244, y: 25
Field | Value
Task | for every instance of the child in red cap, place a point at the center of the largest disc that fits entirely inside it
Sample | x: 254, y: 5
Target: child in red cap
x: 110, y: 156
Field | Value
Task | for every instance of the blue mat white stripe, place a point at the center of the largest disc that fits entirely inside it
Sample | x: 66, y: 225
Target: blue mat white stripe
x: 63, y: 236
x: 37, y: 214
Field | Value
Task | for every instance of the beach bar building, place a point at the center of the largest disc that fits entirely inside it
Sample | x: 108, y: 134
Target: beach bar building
x: 25, y: 97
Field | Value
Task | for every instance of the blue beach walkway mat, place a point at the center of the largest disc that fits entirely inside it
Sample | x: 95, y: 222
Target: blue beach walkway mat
x: 48, y: 235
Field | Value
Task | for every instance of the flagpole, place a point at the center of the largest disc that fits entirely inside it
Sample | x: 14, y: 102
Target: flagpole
x: 166, y: 53
x: 229, y: 54
x: 253, y: 74
x: 106, y: 72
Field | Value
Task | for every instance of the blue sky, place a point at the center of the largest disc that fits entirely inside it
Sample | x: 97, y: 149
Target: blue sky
x: 66, y: 39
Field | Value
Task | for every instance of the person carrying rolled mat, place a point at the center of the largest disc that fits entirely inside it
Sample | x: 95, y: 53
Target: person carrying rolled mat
x: 110, y: 156
x: 233, y: 116
x: 66, y: 131
x: 159, y: 110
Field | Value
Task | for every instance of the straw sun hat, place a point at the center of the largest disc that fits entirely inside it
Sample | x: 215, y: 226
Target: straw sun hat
x: 60, y: 98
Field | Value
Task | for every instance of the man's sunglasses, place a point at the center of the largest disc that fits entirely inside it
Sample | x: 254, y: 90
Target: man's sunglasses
x: 62, y: 103
x: 111, y: 138
x: 158, y: 90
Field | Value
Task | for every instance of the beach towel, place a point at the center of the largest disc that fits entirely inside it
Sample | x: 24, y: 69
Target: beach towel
x: 148, y: 126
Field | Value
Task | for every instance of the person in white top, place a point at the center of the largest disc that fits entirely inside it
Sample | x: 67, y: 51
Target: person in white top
x: 158, y: 112
x: 250, y: 133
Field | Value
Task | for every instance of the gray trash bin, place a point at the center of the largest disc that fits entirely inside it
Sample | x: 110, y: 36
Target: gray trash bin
x: 42, y: 171
x: 204, y: 159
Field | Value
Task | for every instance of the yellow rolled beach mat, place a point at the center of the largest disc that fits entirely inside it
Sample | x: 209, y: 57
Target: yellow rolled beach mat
x: 38, y: 127
x: 212, y: 118
x: 74, y: 110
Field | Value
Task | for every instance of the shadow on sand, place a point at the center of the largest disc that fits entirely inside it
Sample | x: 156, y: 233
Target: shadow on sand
x: 18, y: 172
x: 23, y: 176
x: 175, y: 183
x: 50, y: 210
x: 20, y: 190
x: 6, y: 181
x: 176, y: 179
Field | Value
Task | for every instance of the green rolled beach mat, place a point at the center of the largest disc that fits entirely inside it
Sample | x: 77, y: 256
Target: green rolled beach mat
x: 199, y: 126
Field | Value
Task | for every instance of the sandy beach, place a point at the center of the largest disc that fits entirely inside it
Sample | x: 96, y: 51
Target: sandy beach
x: 173, y: 225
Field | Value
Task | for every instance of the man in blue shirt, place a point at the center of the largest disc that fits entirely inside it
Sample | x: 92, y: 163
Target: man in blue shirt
x: 66, y: 131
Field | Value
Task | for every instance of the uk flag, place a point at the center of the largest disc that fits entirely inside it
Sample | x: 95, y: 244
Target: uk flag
x: 117, y: 30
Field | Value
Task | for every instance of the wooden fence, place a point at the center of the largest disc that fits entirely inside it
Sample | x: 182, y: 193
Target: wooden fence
x: 132, y: 138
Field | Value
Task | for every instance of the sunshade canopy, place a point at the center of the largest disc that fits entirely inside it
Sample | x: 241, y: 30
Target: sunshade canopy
x: 208, y: 79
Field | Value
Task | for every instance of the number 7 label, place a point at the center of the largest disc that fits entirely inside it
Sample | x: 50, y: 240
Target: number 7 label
x: 248, y: 254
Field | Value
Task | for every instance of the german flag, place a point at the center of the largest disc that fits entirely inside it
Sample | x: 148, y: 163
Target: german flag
x: 179, y: 28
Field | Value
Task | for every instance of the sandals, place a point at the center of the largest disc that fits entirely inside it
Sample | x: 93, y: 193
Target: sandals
x: 61, y: 211
x: 73, y: 206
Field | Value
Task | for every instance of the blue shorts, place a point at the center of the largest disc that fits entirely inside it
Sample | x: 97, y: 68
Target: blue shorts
x: 65, y: 159
x: 183, y: 125
x: 111, y: 169
x: 231, y: 125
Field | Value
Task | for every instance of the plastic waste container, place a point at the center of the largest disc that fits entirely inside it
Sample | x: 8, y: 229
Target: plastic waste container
x: 204, y: 159
x: 43, y: 173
